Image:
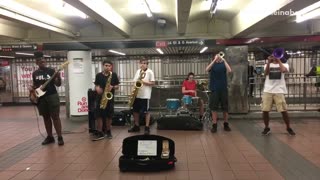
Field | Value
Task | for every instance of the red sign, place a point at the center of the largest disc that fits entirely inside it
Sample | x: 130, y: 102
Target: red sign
x: 161, y: 44
x: 4, y: 63
x: 83, y: 105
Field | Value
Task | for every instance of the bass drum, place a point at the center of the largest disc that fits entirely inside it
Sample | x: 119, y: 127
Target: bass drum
x: 173, y: 104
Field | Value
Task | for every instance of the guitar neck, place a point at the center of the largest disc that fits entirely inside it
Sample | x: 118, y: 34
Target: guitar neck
x: 49, y: 80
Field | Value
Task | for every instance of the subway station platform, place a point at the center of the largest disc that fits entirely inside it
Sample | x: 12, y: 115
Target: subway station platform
x: 240, y: 154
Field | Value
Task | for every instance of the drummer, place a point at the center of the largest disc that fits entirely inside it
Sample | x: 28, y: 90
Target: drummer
x: 189, y: 86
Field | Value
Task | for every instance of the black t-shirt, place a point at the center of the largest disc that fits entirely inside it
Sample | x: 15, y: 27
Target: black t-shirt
x: 101, y: 80
x: 40, y: 76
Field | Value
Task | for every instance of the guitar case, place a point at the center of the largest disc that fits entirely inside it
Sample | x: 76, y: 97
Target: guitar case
x: 147, y: 153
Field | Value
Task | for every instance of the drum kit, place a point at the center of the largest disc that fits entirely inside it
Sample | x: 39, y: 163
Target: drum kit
x: 174, y: 105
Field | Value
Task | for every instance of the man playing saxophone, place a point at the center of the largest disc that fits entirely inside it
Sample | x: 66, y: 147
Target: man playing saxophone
x: 141, y: 101
x: 105, y: 84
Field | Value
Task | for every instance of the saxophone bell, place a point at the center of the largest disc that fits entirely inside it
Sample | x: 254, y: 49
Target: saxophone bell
x: 109, y: 95
x: 138, y: 84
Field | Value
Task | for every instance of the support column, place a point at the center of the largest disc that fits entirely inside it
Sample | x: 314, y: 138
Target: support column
x: 237, y: 57
x: 80, y: 80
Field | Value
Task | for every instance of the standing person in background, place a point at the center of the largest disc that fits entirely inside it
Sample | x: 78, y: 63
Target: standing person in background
x: 251, y: 74
x: 141, y: 102
x: 48, y: 104
x: 218, y: 69
x: 189, y: 86
x: 105, y: 115
x: 274, y: 90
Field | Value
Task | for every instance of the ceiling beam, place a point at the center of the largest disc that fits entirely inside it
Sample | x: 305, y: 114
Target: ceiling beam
x: 249, y: 20
x: 182, y: 15
x: 103, y: 13
x: 13, y: 32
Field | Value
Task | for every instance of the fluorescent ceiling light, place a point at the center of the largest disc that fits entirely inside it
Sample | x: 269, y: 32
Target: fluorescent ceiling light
x: 154, y: 6
x: 308, y: 12
x: 252, y: 40
x: 11, y: 57
x: 72, y: 11
x: 66, y: 9
x: 213, y: 7
x: 23, y: 13
x: 225, y: 4
x: 159, y: 50
x: 203, y: 49
x: 26, y: 54
x: 146, y: 8
x: 221, y: 5
x: 29, y: 54
x: 140, y: 7
x: 116, y: 52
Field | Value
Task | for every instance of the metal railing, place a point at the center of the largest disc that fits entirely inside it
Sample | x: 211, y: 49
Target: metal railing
x: 303, y: 94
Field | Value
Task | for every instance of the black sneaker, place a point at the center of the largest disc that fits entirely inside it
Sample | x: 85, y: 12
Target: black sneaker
x: 226, y: 126
x: 291, y: 132
x: 60, y: 141
x: 146, y: 130
x: 266, y: 131
x: 214, y: 128
x: 48, y: 140
x: 98, y: 137
x: 134, y: 129
x: 108, y: 135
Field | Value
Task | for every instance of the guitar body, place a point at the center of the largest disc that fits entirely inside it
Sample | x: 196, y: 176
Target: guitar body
x: 36, y: 94
x: 39, y: 92
x: 33, y: 97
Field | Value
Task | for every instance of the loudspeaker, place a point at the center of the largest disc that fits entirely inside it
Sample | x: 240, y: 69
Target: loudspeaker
x: 179, y: 123
x: 91, y: 107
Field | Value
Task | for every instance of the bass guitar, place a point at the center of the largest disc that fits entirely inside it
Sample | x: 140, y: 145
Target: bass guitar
x: 35, y: 94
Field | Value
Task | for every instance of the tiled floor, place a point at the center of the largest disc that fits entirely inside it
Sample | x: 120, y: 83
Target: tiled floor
x: 240, y: 154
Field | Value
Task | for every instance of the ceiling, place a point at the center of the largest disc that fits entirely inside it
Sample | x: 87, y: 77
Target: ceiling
x: 125, y: 20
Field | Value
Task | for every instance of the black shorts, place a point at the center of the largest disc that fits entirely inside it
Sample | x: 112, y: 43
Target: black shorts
x: 104, y: 113
x: 219, y: 98
x: 140, y: 105
x: 49, y: 104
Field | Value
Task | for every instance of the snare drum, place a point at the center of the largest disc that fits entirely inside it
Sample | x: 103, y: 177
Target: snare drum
x: 187, y: 99
x: 173, y: 104
x: 195, y: 101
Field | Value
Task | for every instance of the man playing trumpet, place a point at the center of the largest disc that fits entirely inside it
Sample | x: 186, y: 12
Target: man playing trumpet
x: 105, y: 87
x: 141, y: 101
x: 218, y: 69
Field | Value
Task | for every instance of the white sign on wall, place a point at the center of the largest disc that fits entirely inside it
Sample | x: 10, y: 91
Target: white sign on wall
x: 78, y: 65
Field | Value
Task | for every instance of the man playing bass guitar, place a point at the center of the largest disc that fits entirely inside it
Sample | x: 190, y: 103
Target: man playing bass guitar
x: 48, y: 104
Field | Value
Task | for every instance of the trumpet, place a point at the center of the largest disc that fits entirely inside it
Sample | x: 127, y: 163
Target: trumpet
x: 221, y: 54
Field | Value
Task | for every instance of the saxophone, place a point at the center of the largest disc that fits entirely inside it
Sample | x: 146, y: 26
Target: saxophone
x: 107, y: 95
x: 138, y: 84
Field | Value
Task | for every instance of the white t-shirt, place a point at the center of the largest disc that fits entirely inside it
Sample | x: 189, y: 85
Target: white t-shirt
x: 145, y: 91
x: 275, y: 82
